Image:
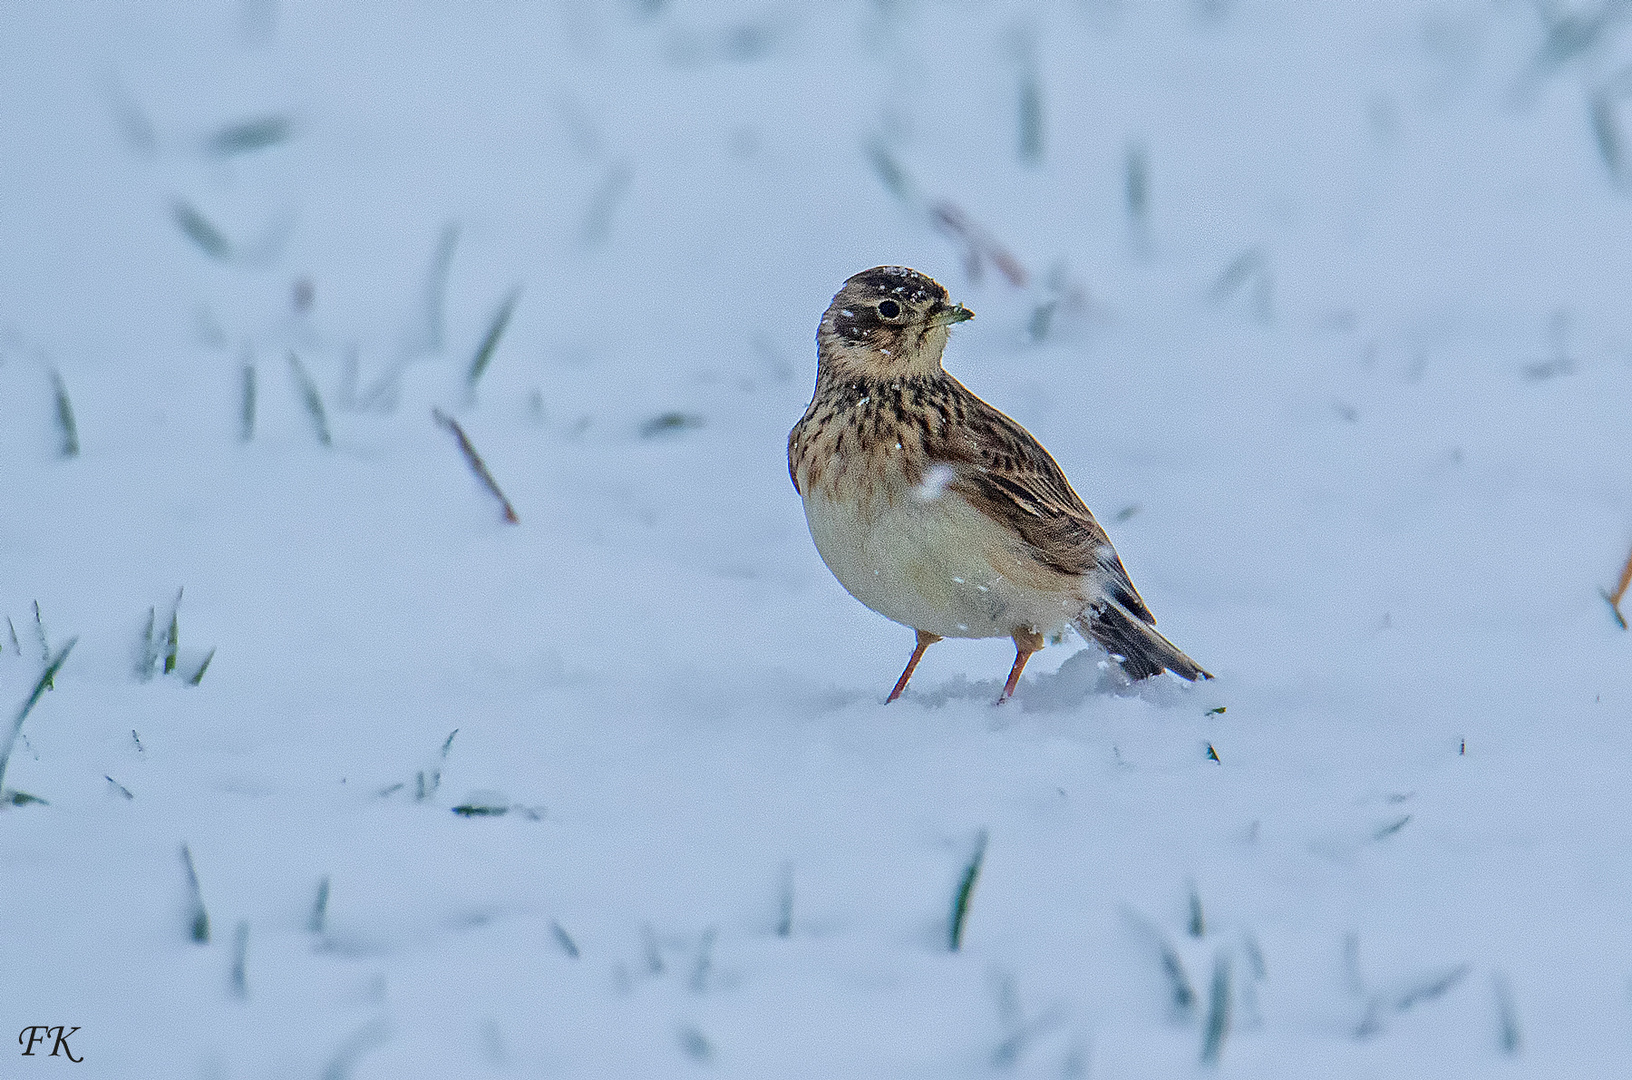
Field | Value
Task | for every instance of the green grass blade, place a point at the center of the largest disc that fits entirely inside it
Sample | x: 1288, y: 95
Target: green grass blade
x: 198, y: 923
x: 248, y: 136
x: 198, y: 229
x: 45, y: 642
x: 240, y: 960
x: 312, y: 399
x: 65, y: 417
x: 1031, y: 119
x: 320, y: 908
x: 490, y: 340
x: 246, y: 416
x: 564, y: 939
x: 147, y: 657
x: 1218, y: 1012
x: 966, y: 888
x: 40, y: 688
x: 198, y: 676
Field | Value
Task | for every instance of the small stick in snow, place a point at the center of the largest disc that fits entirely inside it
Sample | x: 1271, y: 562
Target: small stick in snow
x: 1614, y: 598
x: 978, y: 243
x: 476, y: 464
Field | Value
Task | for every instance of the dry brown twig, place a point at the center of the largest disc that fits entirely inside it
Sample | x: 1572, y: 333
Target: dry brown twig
x: 477, y: 465
x: 978, y: 244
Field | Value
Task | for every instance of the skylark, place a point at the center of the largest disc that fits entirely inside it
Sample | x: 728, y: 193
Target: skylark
x: 939, y: 512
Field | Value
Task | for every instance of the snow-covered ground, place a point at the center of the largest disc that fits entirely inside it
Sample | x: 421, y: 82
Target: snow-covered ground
x: 1325, y: 316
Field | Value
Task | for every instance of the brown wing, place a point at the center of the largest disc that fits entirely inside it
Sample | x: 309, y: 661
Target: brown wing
x: 1007, y: 475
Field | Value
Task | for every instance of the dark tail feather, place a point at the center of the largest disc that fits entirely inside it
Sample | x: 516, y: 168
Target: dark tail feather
x: 1136, y: 645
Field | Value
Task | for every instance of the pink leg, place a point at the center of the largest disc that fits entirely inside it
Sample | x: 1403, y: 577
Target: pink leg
x: 925, y: 640
x: 1025, y: 643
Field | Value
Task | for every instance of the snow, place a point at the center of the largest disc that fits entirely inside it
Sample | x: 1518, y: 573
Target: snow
x: 1325, y: 318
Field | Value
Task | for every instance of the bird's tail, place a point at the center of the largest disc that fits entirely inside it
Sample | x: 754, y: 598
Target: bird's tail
x: 1135, y: 644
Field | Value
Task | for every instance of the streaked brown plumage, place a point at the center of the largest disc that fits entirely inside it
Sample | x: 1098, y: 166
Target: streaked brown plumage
x: 938, y: 511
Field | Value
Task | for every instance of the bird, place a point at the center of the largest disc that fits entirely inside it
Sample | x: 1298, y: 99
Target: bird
x: 938, y: 511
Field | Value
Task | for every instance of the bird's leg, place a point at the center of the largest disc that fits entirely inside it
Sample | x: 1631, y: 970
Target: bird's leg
x: 925, y: 640
x: 1026, y: 642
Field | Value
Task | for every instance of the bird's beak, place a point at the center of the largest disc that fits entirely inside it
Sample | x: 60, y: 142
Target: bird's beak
x: 955, y: 313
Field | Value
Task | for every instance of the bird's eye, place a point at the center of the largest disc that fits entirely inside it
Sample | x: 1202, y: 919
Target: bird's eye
x: 889, y: 308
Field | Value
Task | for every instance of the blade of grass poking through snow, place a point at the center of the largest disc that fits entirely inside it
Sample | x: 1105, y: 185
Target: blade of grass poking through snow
x: 1429, y: 988
x: 240, y: 959
x: 313, y: 400
x: 1183, y: 996
x: 695, y: 1044
x: 1031, y: 115
x: 668, y: 423
x: 490, y: 340
x: 246, y: 414
x: 132, y: 122
x: 1198, y: 924
x: 705, y: 961
x: 481, y: 807
x: 654, y: 955
x: 1249, y: 267
x: 147, y: 653
x: 1507, y: 1016
x: 1136, y: 182
x: 965, y: 892
x: 371, y: 1035
x: 198, y: 676
x: 603, y: 205
x: 199, y: 230
x: 65, y: 417
x: 320, y: 907
x: 1218, y: 1012
x: 1606, y: 132
x: 248, y: 136
x: 172, y: 637
x: 426, y: 782
x: 890, y: 173
x: 1042, y: 319
x: 45, y: 642
x: 1569, y: 34
x: 198, y: 921
x: 1385, y: 831
x: 15, y: 644
x: 40, y: 687
x: 477, y: 465
x: 424, y: 333
x: 436, y: 287
x: 564, y: 939
x: 784, y: 920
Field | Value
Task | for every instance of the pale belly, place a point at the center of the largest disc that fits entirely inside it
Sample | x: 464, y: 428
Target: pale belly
x: 940, y: 566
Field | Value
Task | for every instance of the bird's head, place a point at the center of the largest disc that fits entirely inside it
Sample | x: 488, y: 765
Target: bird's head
x: 887, y: 322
